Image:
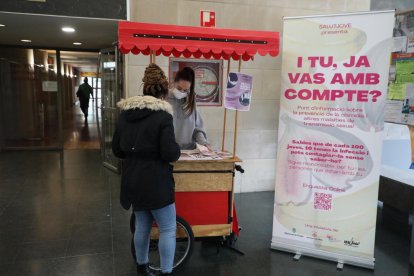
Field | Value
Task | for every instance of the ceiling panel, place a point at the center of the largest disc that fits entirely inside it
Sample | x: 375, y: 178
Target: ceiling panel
x: 45, y: 31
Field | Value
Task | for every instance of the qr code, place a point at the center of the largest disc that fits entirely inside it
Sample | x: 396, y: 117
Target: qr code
x: 322, y: 201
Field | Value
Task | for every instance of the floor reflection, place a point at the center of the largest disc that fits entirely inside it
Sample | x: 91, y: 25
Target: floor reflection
x: 78, y: 133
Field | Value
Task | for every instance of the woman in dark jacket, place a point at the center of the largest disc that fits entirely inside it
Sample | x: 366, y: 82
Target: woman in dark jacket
x: 144, y: 138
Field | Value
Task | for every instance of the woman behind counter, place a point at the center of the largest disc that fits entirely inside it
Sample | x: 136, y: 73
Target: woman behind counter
x: 144, y: 138
x: 188, y: 123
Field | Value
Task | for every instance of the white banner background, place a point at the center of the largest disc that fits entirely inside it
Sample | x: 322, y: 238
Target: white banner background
x: 330, y: 134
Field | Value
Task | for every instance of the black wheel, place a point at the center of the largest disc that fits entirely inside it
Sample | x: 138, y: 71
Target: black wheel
x: 183, y: 249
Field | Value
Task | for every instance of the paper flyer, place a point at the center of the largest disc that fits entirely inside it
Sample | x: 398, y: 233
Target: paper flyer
x: 410, y: 44
x: 400, y: 44
x: 404, y: 71
x: 239, y: 92
x: 396, y: 91
x: 393, y: 111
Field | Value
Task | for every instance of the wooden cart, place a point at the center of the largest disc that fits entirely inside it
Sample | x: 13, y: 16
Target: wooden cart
x: 204, y: 189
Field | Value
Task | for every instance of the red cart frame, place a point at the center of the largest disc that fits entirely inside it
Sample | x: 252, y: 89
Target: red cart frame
x: 204, y: 189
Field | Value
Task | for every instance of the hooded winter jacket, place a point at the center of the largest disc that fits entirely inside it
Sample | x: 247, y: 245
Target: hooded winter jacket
x: 144, y: 138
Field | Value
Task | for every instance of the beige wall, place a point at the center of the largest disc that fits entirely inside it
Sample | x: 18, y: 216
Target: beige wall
x: 257, y: 134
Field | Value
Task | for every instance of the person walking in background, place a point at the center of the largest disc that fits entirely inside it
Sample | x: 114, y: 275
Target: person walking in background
x: 144, y: 138
x: 84, y: 93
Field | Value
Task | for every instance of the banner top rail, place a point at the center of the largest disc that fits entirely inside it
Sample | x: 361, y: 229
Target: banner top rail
x: 403, y: 12
x: 337, y: 14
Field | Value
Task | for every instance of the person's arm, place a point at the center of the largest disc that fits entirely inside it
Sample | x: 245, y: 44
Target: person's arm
x: 199, y: 134
x: 78, y: 93
x: 170, y: 150
x: 91, y: 92
x: 116, y: 144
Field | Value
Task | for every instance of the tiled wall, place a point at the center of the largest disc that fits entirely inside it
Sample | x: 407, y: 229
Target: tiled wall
x: 257, y: 135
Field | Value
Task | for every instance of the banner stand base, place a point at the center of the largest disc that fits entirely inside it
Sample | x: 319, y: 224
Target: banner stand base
x: 340, y: 266
x: 340, y: 259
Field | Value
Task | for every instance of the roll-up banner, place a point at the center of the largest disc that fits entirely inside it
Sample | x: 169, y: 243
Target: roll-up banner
x: 334, y: 85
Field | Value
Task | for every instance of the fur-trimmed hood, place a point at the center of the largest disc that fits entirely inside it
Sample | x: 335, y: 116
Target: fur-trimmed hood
x: 145, y: 102
x: 140, y: 107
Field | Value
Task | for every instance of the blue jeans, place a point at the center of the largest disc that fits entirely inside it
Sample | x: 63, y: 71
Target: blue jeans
x: 165, y: 219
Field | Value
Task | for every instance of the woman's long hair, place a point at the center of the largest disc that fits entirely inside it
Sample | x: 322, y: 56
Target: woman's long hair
x: 187, y: 74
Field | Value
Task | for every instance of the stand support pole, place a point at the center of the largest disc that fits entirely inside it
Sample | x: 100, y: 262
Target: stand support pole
x: 152, y: 56
x: 236, y: 119
x: 340, y: 265
x: 225, y: 111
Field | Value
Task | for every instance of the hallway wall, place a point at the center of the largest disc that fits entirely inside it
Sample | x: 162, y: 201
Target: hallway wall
x: 29, y: 114
x: 17, y: 91
x: 257, y: 136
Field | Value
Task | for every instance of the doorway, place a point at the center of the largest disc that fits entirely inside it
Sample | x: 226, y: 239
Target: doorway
x: 39, y: 107
x: 81, y: 88
x: 39, y: 60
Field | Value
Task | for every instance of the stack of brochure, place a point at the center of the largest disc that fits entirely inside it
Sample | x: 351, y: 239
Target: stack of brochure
x: 204, y: 153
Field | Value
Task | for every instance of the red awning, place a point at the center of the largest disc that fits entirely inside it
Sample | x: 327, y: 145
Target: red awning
x: 142, y: 38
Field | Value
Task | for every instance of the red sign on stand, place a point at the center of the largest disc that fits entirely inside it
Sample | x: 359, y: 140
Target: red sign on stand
x: 208, y: 19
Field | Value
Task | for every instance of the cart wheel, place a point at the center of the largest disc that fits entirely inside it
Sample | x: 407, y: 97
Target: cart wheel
x: 183, y: 249
x: 230, y: 240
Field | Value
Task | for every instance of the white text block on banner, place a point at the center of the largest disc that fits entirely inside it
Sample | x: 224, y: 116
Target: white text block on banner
x: 334, y: 86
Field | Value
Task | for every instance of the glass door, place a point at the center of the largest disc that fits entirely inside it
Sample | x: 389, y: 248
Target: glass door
x: 111, y: 74
x: 30, y: 99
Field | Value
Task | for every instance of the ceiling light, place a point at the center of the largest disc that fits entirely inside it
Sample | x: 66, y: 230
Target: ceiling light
x: 2, y: 25
x: 77, y: 43
x: 68, y: 29
x: 26, y: 40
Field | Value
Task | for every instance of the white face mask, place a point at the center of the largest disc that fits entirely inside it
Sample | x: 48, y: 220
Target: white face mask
x: 178, y: 94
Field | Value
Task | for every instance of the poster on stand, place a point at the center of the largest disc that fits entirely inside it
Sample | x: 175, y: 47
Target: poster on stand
x: 208, y: 78
x: 239, y: 91
x: 335, y: 71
